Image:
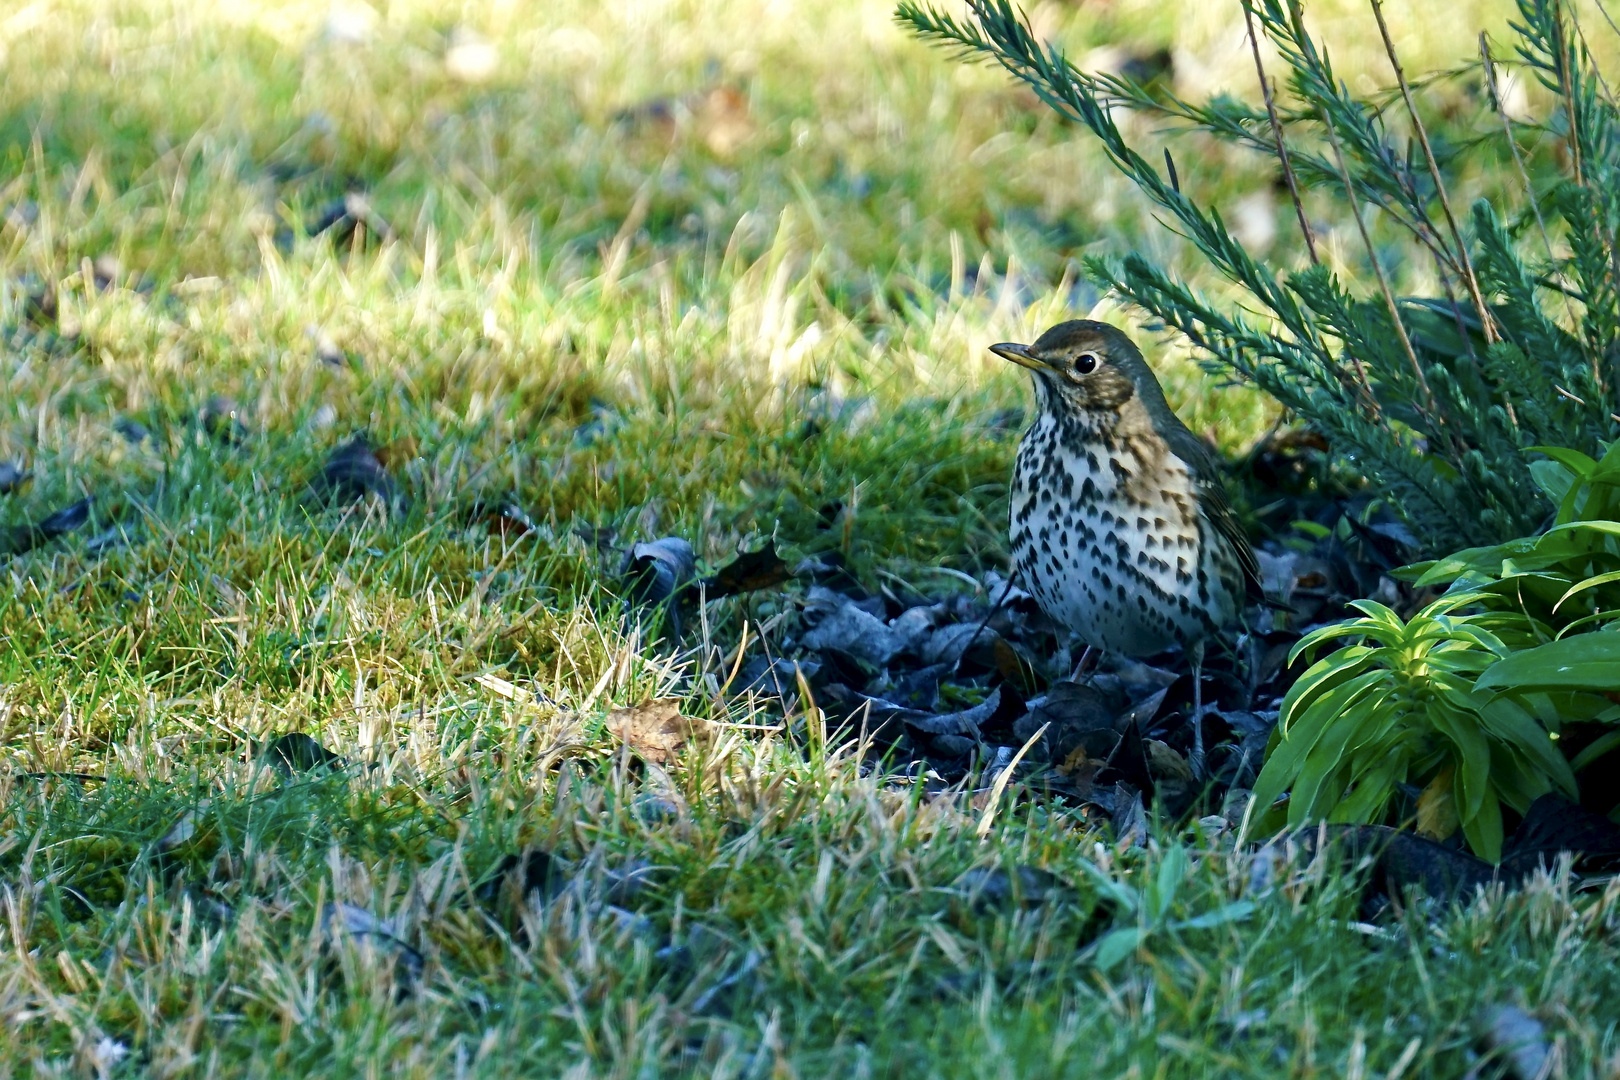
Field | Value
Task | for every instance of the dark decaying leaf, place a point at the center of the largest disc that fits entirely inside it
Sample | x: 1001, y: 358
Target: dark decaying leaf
x: 12, y: 477
x: 504, y: 519
x: 133, y: 431
x: 1027, y: 885
x: 1078, y: 719
x: 952, y: 734
x: 656, y: 730
x: 222, y: 419
x: 1129, y: 815
x: 852, y: 630
x: 657, y: 568
x: 749, y: 572
x: 1399, y: 860
x: 18, y: 539
x: 353, y: 473
x: 1553, y: 826
x: 774, y: 678
x: 1516, y: 1039
x: 534, y: 872
x: 349, y: 220
x: 297, y: 752
x: 364, y: 928
x: 40, y: 306
x: 600, y: 537
x: 965, y: 722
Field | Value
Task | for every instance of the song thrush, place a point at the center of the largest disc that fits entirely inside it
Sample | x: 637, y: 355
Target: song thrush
x: 1120, y: 525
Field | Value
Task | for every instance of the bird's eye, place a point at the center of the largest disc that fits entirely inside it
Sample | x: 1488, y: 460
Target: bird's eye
x: 1085, y: 363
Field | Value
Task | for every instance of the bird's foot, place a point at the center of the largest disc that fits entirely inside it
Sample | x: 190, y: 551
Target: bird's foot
x: 1089, y: 659
x: 1196, y: 758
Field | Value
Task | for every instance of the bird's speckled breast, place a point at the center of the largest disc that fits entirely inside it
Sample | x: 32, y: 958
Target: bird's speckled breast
x: 1107, y: 536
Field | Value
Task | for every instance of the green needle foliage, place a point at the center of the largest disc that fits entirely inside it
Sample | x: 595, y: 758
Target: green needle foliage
x: 1434, y: 398
x: 1400, y: 706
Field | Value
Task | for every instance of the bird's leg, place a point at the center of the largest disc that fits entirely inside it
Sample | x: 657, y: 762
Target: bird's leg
x: 1196, y: 654
x: 1080, y: 667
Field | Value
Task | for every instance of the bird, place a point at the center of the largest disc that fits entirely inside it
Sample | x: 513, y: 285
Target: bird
x: 1120, y: 525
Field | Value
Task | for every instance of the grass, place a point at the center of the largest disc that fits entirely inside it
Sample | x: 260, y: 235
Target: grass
x: 713, y: 327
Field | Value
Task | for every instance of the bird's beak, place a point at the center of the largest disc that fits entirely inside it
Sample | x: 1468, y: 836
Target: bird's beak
x: 1020, y: 355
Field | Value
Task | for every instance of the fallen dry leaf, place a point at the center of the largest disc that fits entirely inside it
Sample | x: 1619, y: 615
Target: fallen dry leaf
x: 656, y: 730
x: 1437, y: 807
x: 222, y: 419
x: 12, y: 477
x: 395, y: 454
x: 657, y: 568
x: 18, y: 539
x: 185, y: 828
x: 1165, y: 763
x: 749, y: 572
x: 352, y: 473
x: 1518, y: 1040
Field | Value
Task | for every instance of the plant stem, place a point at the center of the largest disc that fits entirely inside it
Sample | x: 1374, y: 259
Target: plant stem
x: 1383, y: 283
x: 1277, y: 134
x: 1465, y: 264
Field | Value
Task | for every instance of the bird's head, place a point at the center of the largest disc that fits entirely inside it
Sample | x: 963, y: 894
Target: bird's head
x: 1087, y: 367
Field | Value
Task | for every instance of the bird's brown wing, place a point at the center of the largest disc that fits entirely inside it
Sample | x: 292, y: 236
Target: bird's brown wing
x: 1212, y: 500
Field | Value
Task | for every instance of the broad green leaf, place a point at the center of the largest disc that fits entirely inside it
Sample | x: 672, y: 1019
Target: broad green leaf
x: 1371, y: 795
x: 1378, y: 613
x: 1480, y: 559
x: 1596, y: 749
x: 1172, y: 871
x: 1236, y: 911
x: 1328, y: 672
x: 1450, y: 601
x: 1589, y: 583
x: 1554, y: 478
x: 1517, y: 782
x: 1317, y: 785
x: 1512, y: 726
x: 1116, y: 945
x: 1483, y: 831
x: 1125, y: 897
x: 1604, y: 528
x: 1473, y: 755
x: 1584, y: 662
x: 1580, y: 625
x: 1576, y: 462
x: 1286, y: 758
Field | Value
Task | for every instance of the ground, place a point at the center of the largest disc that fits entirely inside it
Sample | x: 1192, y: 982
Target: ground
x: 599, y: 274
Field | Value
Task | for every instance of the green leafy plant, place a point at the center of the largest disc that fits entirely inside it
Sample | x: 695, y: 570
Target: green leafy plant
x: 1147, y: 910
x: 1401, y: 705
x: 1564, y: 581
x: 1433, y: 398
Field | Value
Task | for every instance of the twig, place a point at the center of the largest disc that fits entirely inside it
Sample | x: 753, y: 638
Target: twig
x: 1524, y: 176
x: 1383, y: 282
x: 1566, y: 90
x: 1466, y: 264
x: 1277, y: 134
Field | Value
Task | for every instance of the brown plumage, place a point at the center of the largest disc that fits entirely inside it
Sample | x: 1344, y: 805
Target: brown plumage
x: 1120, y: 525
